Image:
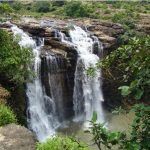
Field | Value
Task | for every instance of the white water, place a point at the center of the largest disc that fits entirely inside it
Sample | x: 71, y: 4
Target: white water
x: 45, y: 113
x: 87, y: 96
x: 42, y: 122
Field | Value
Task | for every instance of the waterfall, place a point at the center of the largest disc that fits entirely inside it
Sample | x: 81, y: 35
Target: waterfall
x: 48, y: 94
x: 42, y: 117
x: 87, y: 96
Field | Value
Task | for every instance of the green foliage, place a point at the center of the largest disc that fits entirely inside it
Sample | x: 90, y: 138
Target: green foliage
x: 17, y: 5
x: 141, y: 126
x: 61, y: 143
x: 119, y: 110
x: 125, y: 90
x: 76, y: 9
x: 43, y: 6
x: 102, y: 137
x: 138, y: 139
x: 5, y: 8
x: 131, y: 5
x: 127, y: 19
x: 132, y: 62
x: 6, y: 115
x: 14, y: 60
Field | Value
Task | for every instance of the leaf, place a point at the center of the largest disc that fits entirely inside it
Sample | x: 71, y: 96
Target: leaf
x: 139, y: 94
x: 125, y: 90
x: 134, y: 84
x: 94, y: 117
x: 148, y: 82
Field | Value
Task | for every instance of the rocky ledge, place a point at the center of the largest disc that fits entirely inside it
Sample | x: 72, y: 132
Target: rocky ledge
x: 15, y: 137
x: 107, y: 32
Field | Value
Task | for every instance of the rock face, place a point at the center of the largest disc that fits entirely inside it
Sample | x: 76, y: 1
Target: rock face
x: 106, y: 32
x: 15, y: 137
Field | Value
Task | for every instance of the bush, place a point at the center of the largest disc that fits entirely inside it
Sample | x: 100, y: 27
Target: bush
x: 14, y: 60
x: 17, y: 5
x: 138, y: 139
x: 43, y: 6
x: 131, y: 62
x: 6, y: 115
x: 61, y: 143
x: 76, y: 9
x: 127, y: 19
x: 5, y: 8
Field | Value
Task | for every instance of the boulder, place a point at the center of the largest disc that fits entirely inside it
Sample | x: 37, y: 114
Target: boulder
x: 16, y: 137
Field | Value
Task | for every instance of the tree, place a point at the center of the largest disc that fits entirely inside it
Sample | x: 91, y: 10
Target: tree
x: 131, y: 62
x: 14, y: 60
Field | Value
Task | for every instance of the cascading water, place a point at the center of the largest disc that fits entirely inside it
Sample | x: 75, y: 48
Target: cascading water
x: 87, y: 95
x: 41, y: 119
x: 48, y: 92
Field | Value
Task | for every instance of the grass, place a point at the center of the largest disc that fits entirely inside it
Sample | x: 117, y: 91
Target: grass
x: 7, y: 116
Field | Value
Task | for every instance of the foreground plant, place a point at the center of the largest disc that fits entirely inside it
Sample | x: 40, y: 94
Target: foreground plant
x: 7, y: 116
x: 129, y: 66
x: 138, y: 139
x: 61, y: 143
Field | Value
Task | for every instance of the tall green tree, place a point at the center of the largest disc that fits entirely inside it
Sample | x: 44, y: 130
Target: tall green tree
x: 14, y: 60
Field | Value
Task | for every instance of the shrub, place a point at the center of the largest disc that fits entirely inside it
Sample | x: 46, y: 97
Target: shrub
x: 5, y: 8
x: 127, y: 19
x: 17, y: 5
x: 43, y: 6
x: 76, y: 9
x: 131, y: 61
x: 14, y: 60
x: 138, y: 139
x: 7, y: 116
x: 61, y: 143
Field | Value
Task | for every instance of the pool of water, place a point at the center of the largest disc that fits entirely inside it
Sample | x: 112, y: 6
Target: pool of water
x: 121, y: 122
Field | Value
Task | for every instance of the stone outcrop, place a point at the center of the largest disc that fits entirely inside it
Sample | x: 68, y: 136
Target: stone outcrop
x: 15, y: 137
x: 107, y: 32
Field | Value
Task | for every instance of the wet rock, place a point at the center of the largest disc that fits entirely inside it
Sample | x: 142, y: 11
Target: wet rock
x: 59, y: 45
x: 107, y: 32
x: 15, y: 137
x: 5, y: 25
